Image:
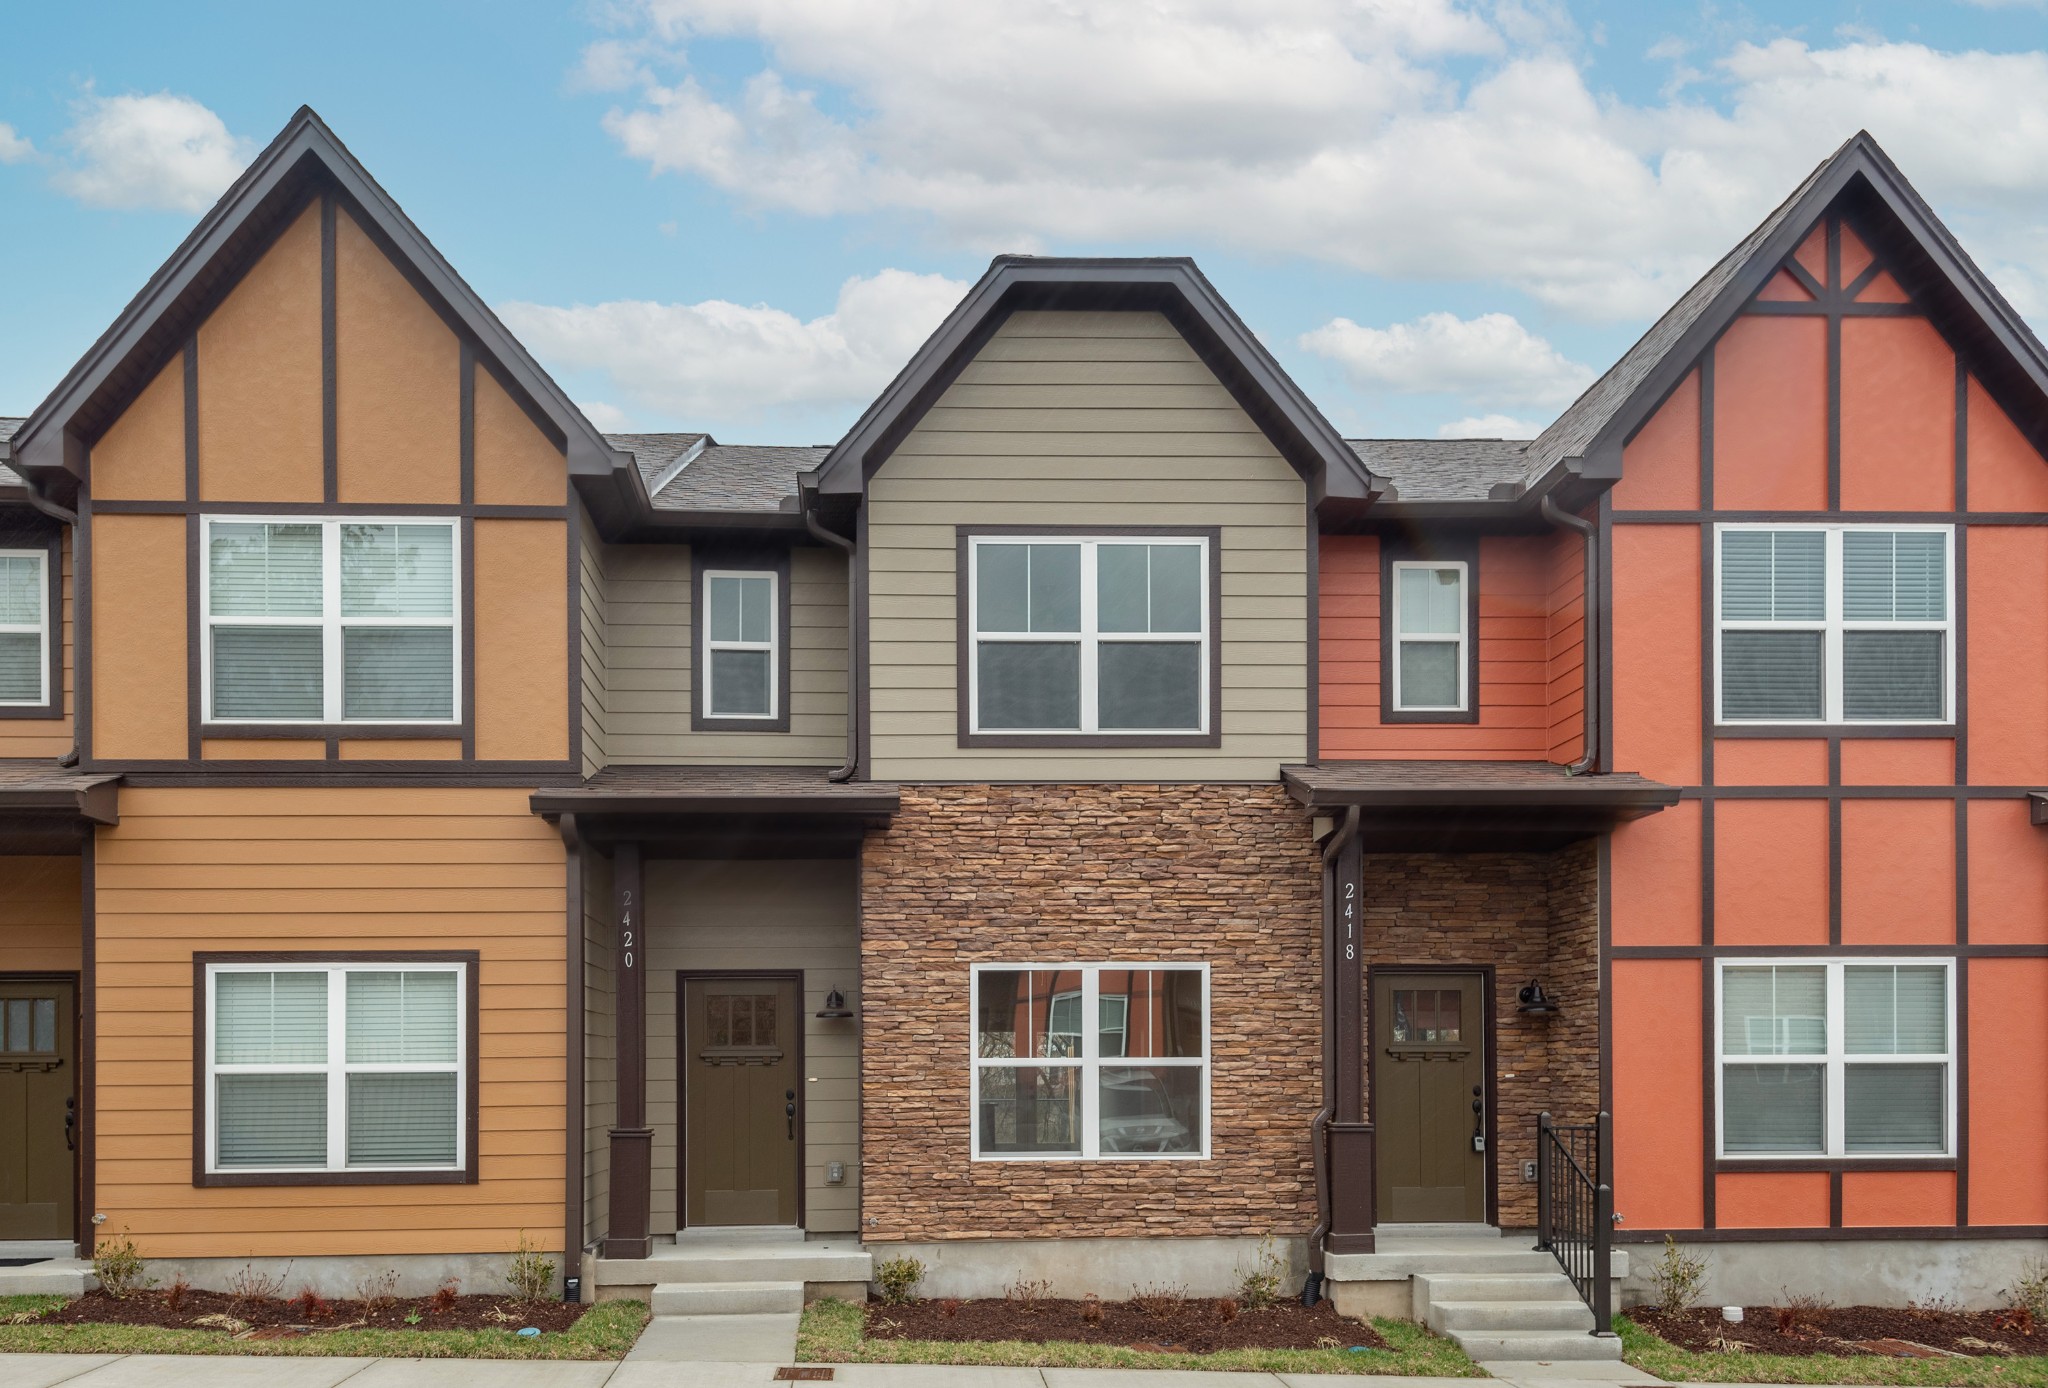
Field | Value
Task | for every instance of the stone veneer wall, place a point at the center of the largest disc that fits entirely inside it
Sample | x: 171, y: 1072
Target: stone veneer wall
x: 1226, y: 874
x: 1530, y: 915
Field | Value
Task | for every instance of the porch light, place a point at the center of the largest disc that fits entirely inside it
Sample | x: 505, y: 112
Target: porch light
x: 835, y: 1008
x: 1533, y: 1001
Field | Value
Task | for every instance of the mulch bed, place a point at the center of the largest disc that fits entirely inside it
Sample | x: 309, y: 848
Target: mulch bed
x: 1903, y: 1332
x: 1190, y: 1325
x: 265, y: 1318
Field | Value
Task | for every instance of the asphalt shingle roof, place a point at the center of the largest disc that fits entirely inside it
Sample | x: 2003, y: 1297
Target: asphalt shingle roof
x: 1444, y: 469
x: 8, y: 477
x: 721, y: 477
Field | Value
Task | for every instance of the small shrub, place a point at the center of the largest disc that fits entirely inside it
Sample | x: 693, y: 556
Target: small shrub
x: 311, y: 1305
x: 531, y: 1275
x: 1028, y: 1292
x: 120, y: 1268
x: 1801, y: 1311
x: 1226, y: 1310
x: 174, y: 1295
x: 251, y: 1283
x: 2018, y: 1319
x: 443, y: 1299
x: 377, y: 1290
x: 1679, y: 1277
x: 1938, y: 1305
x: 950, y: 1307
x: 899, y: 1278
x: 1158, y: 1299
x: 1260, y: 1287
x: 413, y: 1316
x: 2029, y: 1291
x: 1091, y: 1309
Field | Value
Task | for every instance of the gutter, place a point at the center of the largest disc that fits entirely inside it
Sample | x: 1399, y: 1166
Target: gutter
x: 1590, y: 641
x: 809, y: 503
x: 1319, y: 1126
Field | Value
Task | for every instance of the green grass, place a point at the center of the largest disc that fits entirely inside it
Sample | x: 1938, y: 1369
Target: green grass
x: 606, y: 1331
x: 831, y: 1334
x: 1656, y: 1355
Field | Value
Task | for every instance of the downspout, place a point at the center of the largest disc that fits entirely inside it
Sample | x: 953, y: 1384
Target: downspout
x: 1319, y: 1126
x: 1590, y: 754
x: 845, y: 547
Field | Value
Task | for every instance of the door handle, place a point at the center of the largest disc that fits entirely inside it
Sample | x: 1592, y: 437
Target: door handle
x: 789, y: 1112
x: 70, y: 1123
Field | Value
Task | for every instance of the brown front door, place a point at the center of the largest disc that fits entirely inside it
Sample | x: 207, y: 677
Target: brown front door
x: 1429, y: 1097
x: 38, y: 1079
x: 742, y: 1068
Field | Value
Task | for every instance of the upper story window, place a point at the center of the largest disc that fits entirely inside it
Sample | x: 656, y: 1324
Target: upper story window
x: 1836, y: 1059
x: 24, y: 628
x: 330, y: 621
x: 1430, y: 637
x: 1097, y: 635
x: 740, y: 639
x: 1836, y: 623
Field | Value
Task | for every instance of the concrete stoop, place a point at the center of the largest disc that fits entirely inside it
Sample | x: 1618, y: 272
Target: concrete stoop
x: 736, y: 1272
x: 66, y: 1276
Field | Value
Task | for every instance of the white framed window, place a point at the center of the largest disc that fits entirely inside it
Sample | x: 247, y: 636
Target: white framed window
x: 1838, y: 1058
x: 1430, y: 637
x: 316, y: 1066
x: 314, y: 619
x: 1089, y: 635
x: 24, y: 628
x: 1835, y: 623
x: 741, y: 644
x: 1085, y: 1061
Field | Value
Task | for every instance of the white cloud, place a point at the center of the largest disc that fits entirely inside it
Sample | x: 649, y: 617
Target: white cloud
x: 1489, y: 426
x: 737, y: 362
x: 1491, y: 359
x: 14, y: 147
x: 150, y: 151
x: 609, y: 418
x: 1337, y: 131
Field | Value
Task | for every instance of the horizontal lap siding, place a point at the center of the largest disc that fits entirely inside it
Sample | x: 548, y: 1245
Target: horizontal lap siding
x: 39, y: 915
x: 340, y: 869
x: 1097, y: 419
x: 595, y: 647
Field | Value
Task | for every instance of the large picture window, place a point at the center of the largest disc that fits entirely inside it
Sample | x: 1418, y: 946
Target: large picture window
x: 313, y: 620
x: 1835, y: 624
x: 24, y: 628
x: 1102, y: 635
x: 337, y: 1067
x: 1845, y: 1058
x: 1091, y: 1060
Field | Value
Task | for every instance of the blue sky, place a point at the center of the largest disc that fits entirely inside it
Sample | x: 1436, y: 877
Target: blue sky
x: 742, y: 215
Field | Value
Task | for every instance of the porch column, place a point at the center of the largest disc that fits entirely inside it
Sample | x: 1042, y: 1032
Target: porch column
x: 1350, y: 1135
x: 632, y: 1141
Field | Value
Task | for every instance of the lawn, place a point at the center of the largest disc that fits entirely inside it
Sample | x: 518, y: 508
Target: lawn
x: 831, y: 1334
x: 1664, y: 1359
x: 606, y: 1331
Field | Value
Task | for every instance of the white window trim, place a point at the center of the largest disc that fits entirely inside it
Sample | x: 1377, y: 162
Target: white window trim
x: 40, y: 628
x: 1833, y: 624
x: 337, y: 1066
x: 773, y: 645
x: 1088, y: 1063
x: 330, y: 622
x: 1089, y: 636
x: 1835, y: 1059
x: 1461, y: 640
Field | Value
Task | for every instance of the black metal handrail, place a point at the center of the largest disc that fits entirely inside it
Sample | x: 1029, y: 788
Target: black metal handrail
x: 1575, y: 1208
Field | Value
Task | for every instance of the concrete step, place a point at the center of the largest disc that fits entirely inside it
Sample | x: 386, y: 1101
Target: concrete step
x: 1546, y: 1345
x: 1461, y: 1286
x: 727, y: 1298
x: 740, y: 1261
x: 1481, y: 1232
x: 57, y: 1277
x: 1379, y: 1266
x: 1571, y: 1314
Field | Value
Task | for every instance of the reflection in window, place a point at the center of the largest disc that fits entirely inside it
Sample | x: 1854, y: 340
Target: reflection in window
x: 1424, y: 1015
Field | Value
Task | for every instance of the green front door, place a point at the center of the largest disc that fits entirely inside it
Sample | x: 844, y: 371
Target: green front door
x: 38, y: 1091
x: 1429, y: 1097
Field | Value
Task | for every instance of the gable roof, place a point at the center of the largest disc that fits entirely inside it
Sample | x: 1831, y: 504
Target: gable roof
x: 55, y: 440
x: 1928, y: 261
x: 1172, y: 286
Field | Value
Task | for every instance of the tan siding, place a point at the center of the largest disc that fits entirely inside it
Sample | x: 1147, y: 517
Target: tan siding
x: 596, y: 646
x: 314, y: 869
x: 761, y: 915
x: 396, y: 382
x: 650, y: 657
x: 260, y: 378
x: 600, y: 1043
x: 1098, y: 419
x: 46, y: 738
x: 39, y: 915
x: 522, y: 677
x: 138, y: 638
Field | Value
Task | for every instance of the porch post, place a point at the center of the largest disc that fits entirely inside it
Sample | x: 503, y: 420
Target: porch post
x: 1351, y: 1150
x: 632, y: 1141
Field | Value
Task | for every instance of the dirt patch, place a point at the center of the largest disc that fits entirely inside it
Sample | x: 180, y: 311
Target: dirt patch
x: 268, y: 1319
x: 1907, y: 1332
x: 1191, y: 1325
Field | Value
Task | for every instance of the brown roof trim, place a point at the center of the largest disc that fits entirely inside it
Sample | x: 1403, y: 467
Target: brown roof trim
x: 1419, y: 807
x: 2037, y: 807
x: 800, y: 791
x: 1173, y: 286
x: 89, y: 799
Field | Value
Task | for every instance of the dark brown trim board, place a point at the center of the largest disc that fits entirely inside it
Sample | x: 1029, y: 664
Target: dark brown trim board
x: 573, y: 985
x: 627, y: 1233
x: 201, y: 1108
x: 803, y: 1141
x: 50, y: 541
x: 762, y: 560
x: 963, y: 640
x: 1447, y: 549
x: 88, y: 1041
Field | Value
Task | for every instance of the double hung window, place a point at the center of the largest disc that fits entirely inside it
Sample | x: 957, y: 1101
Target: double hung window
x: 740, y: 644
x: 1836, y: 623
x: 1836, y: 1059
x: 315, y: 1067
x: 331, y: 621
x: 1107, y: 635
x: 24, y: 627
x: 1091, y: 1060
x: 1430, y: 636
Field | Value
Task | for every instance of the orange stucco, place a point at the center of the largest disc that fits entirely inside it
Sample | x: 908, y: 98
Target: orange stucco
x: 1657, y: 652
x: 1770, y: 415
x: 1771, y: 1200
x: 1898, y: 1199
x: 2006, y: 474
x: 1660, y: 466
x: 2008, y: 573
x: 1654, y: 878
x: 1657, y: 1133
x: 138, y: 639
x: 2008, y: 875
x: 141, y: 457
x: 516, y: 464
x: 1771, y: 872
x: 1812, y: 254
x: 2009, y: 1119
x: 1898, y: 416
x: 397, y: 387
x: 1898, y: 872
x: 261, y: 379
x: 522, y: 624
x: 1898, y: 761
x: 1856, y: 256
x: 1742, y: 761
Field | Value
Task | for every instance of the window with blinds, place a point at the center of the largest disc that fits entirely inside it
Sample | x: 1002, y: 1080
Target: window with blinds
x: 1429, y: 610
x: 316, y: 1067
x: 1835, y: 1059
x: 740, y: 643
x: 24, y: 627
x: 320, y: 620
x: 1835, y: 624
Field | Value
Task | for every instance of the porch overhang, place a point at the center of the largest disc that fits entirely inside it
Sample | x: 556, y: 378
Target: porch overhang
x: 48, y: 810
x: 1475, y: 806
x: 2037, y: 807
x: 720, y: 811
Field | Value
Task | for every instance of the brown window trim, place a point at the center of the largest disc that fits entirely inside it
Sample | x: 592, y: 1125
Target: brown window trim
x: 1735, y: 1165
x: 774, y: 561
x: 963, y: 639
x: 51, y: 541
x: 202, y: 1115
x: 1445, y: 549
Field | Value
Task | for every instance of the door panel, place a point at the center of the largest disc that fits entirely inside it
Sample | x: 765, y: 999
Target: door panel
x: 1429, y: 1097
x: 38, y: 1075
x: 741, y: 1063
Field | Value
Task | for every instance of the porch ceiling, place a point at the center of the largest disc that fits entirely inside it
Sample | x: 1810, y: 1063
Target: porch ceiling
x: 722, y: 811
x: 1476, y: 806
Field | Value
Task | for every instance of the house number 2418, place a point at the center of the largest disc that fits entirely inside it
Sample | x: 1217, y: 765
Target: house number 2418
x: 1350, y: 914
